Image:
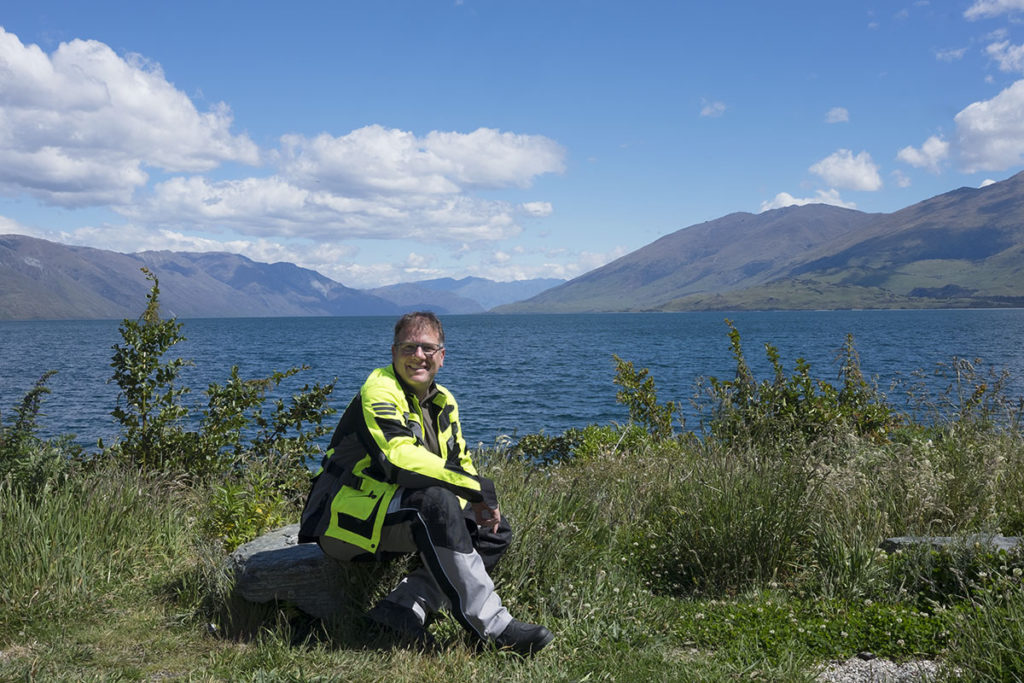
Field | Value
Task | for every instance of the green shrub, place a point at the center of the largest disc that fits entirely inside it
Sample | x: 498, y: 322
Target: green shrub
x: 581, y: 444
x: 28, y: 462
x: 233, y: 428
x: 149, y: 407
x: 789, y: 412
x: 963, y: 571
x: 639, y: 394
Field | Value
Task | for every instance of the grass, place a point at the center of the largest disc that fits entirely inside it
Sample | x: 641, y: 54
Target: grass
x: 685, y: 561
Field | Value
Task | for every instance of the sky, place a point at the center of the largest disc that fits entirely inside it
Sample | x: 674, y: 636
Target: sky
x: 392, y: 141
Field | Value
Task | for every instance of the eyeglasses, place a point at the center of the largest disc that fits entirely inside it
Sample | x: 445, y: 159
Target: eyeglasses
x: 409, y: 349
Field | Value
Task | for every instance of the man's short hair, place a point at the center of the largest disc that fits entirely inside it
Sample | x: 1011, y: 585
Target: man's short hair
x: 417, y: 320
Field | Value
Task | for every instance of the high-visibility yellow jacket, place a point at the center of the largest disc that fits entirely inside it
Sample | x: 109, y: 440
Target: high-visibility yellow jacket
x: 378, y: 446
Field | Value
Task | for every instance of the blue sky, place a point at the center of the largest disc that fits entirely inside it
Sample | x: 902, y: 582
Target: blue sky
x: 381, y: 142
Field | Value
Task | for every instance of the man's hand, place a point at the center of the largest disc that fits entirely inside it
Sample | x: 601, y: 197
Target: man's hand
x: 487, y: 516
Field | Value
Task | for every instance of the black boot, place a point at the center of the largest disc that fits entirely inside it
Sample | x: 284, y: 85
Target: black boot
x: 524, y: 638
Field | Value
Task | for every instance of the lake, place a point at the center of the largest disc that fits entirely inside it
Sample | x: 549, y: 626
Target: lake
x: 514, y: 374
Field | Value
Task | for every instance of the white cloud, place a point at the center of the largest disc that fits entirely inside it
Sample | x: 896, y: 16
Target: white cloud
x: 1010, y: 57
x: 79, y: 125
x: 537, y: 209
x: 837, y: 115
x: 371, y: 183
x: 842, y: 169
x: 784, y: 199
x: 900, y: 178
x: 375, y: 159
x: 273, y: 206
x: 712, y: 109
x: 950, y: 55
x: 503, y: 268
x: 933, y: 152
x: 993, y: 8
x: 9, y: 226
x: 987, y: 182
x: 990, y: 134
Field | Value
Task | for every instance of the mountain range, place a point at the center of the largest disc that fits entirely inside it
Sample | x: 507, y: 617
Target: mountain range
x: 964, y: 248
x: 466, y: 295
x: 45, y: 280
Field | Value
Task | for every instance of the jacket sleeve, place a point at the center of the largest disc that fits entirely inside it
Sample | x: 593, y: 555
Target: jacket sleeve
x: 395, y: 436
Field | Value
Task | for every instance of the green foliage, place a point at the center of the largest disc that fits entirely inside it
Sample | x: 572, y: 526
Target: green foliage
x: 777, y: 624
x: 149, y: 407
x: 640, y: 396
x: 790, y: 411
x: 234, y: 430
x: 954, y: 573
x: 27, y: 461
x: 580, y: 444
x: 989, y: 642
x: 240, y: 508
x: 730, y: 520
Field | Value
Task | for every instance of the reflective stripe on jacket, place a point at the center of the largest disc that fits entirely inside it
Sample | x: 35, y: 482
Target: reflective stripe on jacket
x: 378, y: 446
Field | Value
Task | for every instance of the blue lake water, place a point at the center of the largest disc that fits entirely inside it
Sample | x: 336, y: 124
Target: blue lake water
x: 512, y: 374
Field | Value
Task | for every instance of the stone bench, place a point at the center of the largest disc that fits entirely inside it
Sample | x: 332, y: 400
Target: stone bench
x: 993, y: 542
x: 276, y: 566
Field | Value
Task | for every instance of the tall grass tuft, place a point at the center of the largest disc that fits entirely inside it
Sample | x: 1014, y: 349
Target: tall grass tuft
x: 69, y: 549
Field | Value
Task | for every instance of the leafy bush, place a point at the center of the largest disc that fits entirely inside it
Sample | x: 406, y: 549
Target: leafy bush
x: 580, y: 444
x: 149, y: 407
x: 639, y: 394
x: 27, y: 461
x: 791, y: 411
x: 233, y: 429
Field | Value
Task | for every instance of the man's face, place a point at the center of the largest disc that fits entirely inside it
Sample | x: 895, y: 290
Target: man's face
x: 413, y: 360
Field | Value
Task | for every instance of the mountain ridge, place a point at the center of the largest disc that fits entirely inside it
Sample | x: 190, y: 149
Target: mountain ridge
x: 42, y: 280
x: 958, y: 249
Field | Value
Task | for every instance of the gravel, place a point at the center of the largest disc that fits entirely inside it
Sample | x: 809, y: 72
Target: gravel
x: 857, y: 669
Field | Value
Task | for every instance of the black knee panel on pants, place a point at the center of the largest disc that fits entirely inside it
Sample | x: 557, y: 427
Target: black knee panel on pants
x: 441, y: 513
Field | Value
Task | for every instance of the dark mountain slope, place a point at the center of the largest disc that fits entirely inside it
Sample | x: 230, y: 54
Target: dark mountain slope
x: 961, y: 248
x: 733, y: 252
x: 45, y: 280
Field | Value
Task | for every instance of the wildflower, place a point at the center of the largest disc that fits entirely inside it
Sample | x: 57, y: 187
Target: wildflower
x: 698, y: 615
x: 900, y: 642
x: 844, y: 634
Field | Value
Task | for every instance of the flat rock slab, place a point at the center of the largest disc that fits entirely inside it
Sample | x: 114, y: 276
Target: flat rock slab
x: 276, y: 566
x: 993, y: 542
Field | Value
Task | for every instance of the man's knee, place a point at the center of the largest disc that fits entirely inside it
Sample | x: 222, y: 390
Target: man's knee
x: 441, y: 513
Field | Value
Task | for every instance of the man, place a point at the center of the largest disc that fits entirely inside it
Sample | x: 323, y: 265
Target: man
x: 396, y: 479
